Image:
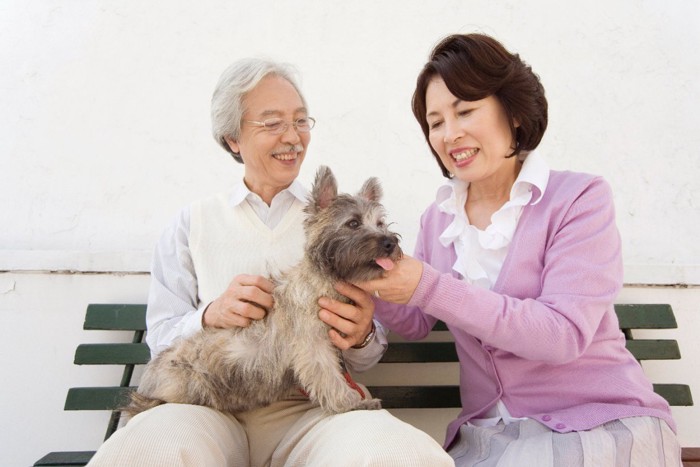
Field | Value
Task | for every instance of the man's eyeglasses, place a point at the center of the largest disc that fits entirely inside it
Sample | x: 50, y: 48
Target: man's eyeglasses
x: 277, y: 126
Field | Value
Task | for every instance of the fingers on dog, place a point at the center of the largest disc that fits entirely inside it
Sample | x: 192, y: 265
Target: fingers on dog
x: 256, y: 297
x: 354, y: 293
x: 260, y: 282
x: 250, y: 310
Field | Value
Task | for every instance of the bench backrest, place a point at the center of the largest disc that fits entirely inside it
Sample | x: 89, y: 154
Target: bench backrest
x: 133, y: 318
x: 110, y: 317
x: 630, y: 316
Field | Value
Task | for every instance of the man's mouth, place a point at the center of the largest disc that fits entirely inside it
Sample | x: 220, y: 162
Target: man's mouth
x: 285, y: 156
x: 289, y: 153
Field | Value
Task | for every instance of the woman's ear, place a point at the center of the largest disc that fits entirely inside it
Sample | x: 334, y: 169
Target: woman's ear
x: 233, y: 144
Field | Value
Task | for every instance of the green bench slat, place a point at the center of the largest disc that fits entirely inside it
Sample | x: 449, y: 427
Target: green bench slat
x: 112, y: 354
x: 675, y: 394
x: 66, y: 458
x: 115, y: 317
x: 425, y: 352
x: 691, y: 455
x: 411, y: 397
x: 96, y: 398
x: 420, y: 352
x: 631, y: 316
x: 109, y: 398
x: 645, y: 316
x: 654, y: 349
x: 408, y: 397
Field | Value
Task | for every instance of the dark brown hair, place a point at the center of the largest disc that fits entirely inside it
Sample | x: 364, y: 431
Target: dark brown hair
x: 476, y: 66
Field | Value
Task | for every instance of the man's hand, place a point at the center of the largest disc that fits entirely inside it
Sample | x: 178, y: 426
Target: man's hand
x: 350, y: 324
x: 247, y: 298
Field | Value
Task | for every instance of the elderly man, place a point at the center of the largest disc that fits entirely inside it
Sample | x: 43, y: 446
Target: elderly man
x: 208, y: 272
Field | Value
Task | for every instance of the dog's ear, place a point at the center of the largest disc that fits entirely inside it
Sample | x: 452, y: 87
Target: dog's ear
x: 371, y: 190
x: 325, y: 188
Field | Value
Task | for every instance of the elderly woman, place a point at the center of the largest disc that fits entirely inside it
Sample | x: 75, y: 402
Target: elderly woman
x: 209, y: 270
x: 523, y: 264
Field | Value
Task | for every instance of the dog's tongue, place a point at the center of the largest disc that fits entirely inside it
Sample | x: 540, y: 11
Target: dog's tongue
x: 385, y: 263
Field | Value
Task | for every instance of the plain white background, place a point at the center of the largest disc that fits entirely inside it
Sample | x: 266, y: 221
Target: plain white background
x: 105, y: 134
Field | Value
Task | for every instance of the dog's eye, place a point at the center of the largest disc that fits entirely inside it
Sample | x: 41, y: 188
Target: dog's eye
x: 353, y: 224
x: 380, y: 224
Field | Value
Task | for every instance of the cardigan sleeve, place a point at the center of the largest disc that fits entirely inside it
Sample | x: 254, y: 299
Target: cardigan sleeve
x: 580, y: 276
x: 408, y: 321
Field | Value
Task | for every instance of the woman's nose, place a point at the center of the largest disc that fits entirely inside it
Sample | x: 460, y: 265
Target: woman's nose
x: 453, y: 131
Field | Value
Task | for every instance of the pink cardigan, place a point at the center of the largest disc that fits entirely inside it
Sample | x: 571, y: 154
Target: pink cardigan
x: 545, y: 339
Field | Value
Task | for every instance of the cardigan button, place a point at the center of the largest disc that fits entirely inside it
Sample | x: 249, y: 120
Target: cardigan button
x: 546, y: 418
x: 560, y: 426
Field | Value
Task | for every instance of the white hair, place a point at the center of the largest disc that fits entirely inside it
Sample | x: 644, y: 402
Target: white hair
x: 236, y: 81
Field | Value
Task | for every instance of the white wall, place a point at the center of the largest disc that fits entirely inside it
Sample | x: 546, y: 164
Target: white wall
x: 104, y: 134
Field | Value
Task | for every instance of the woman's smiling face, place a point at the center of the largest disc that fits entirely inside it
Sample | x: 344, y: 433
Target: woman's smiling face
x: 472, y: 138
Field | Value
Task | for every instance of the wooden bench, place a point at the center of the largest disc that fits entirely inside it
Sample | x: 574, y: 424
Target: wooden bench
x: 131, y: 354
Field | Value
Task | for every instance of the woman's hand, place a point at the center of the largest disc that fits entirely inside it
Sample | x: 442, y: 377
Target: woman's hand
x: 398, y: 284
x: 350, y: 324
x: 247, y: 298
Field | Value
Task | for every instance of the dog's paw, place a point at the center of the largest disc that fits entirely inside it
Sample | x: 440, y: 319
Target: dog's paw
x: 368, y: 404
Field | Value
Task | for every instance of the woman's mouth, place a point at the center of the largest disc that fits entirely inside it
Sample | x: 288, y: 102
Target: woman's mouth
x: 460, y: 155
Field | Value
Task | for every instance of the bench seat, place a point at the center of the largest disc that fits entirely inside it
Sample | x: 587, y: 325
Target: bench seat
x: 120, y: 317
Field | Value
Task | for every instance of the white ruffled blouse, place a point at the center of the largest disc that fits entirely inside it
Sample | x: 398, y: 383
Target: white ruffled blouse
x: 481, y: 253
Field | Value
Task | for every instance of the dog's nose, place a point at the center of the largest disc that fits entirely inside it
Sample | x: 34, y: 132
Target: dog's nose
x: 388, y: 244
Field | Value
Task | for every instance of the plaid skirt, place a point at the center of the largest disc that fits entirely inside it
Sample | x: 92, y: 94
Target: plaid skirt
x: 628, y: 442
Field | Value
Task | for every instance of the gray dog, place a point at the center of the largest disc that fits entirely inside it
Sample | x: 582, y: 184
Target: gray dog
x: 239, y: 369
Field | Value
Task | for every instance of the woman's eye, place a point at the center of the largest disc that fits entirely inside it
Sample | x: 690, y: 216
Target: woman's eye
x: 434, y: 125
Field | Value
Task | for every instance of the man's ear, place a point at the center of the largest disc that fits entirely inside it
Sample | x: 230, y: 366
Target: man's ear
x: 233, y: 144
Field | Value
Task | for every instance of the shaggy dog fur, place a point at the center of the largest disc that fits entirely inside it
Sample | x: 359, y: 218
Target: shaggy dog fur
x: 239, y: 369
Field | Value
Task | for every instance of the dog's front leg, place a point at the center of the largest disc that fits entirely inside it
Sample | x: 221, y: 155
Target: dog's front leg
x: 318, y: 369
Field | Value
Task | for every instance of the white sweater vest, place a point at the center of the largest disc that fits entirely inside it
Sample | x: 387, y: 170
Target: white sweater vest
x: 229, y: 240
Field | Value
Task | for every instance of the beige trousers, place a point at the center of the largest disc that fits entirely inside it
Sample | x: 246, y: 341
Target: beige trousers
x: 287, y: 433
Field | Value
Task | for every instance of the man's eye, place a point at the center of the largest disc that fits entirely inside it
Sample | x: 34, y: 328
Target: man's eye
x: 273, y: 124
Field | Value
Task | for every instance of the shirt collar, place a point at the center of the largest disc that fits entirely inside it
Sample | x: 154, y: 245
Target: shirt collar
x: 533, y: 174
x: 241, y: 192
